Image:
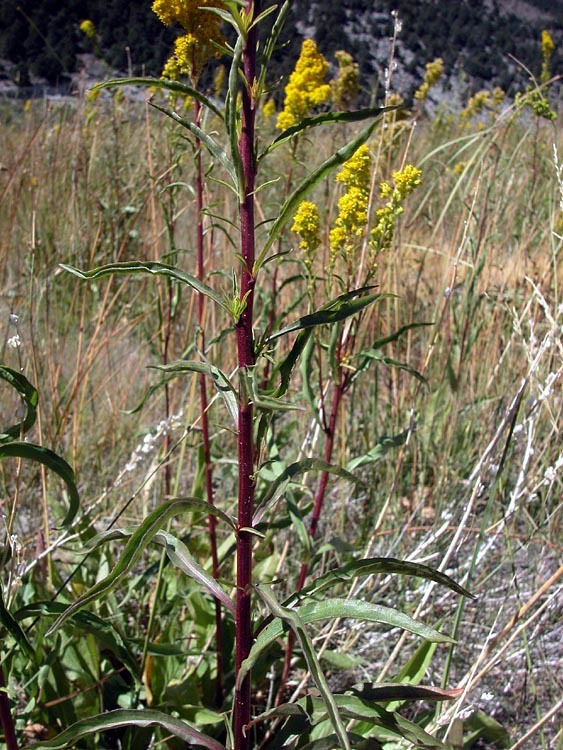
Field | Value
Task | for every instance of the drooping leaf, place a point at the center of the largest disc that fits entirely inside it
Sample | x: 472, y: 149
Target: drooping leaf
x: 291, y: 616
x: 131, y: 267
x: 49, y: 459
x: 133, y: 551
x: 278, y: 486
x: 333, y: 608
x: 129, y: 718
x: 291, y: 203
x: 216, y: 151
x: 180, y: 556
x: 389, y: 361
x: 28, y: 395
x: 482, y: 726
x: 222, y: 383
x: 324, y: 119
x: 176, y: 87
x: 378, y: 565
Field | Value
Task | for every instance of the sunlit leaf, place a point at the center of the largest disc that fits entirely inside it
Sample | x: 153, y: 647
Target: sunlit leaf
x: 28, y: 395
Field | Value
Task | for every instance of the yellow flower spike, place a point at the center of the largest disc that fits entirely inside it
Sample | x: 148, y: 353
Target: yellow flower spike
x: 405, y: 182
x: 434, y: 71
x: 202, y: 30
x: 353, y: 206
x: 346, y: 86
x: 87, y: 27
x: 269, y: 109
x: 306, y: 88
x: 547, y: 49
x: 307, y: 224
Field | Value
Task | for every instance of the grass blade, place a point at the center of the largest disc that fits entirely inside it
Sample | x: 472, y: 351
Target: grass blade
x: 29, y: 396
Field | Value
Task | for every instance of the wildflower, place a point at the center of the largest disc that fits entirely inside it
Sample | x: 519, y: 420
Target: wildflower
x: 269, y: 109
x: 307, y: 224
x: 434, y: 71
x: 405, y: 182
x: 88, y: 29
x: 202, y: 32
x: 306, y: 88
x: 547, y: 48
x: 345, y: 87
x: 353, y: 205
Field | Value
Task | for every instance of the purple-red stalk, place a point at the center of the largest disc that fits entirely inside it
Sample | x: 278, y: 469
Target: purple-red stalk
x: 246, y: 360
x: 211, y: 521
x: 6, y: 718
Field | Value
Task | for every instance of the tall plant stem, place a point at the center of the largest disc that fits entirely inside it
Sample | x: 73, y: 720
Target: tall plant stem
x: 246, y: 360
x: 6, y: 718
x: 211, y: 523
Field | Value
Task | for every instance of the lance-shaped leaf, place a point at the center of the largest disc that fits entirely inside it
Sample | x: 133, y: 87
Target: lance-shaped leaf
x: 49, y: 459
x: 378, y: 565
x: 333, y: 608
x: 323, y: 119
x: 338, y: 309
x: 28, y: 395
x: 290, y: 205
x: 292, y: 618
x: 222, y: 383
x: 231, y: 119
x: 148, y: 267
x: 180, y: 556
x: 13, y: 627
x: 218, y: 153
x: 176, y: 87
x: 128, y: 718
x: 374, y: 691
x: 132, y: 553
x: 279, y: 485
x: 380, y: 449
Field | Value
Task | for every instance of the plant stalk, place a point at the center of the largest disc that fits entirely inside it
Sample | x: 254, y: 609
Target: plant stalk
x: 246, y: 360
x: 6, y: 718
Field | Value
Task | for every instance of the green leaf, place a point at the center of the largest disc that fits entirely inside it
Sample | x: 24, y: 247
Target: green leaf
x: 124, y: 718
x: 373, y: 691
x: 28, y: 395
x: 332, y: 608
x: 375, y: 357
x: 51, y: 461
x: 224, y: 386
x: 481, y: 725
x: 285, y: 368
x: 143, y: 267
x: 290, y: 205
x: 132, y: 553
x: 159, y: 83
x: 218, y: 153
x: 323, y: 119
x: 279, y: 485
x: 380, y: 449
x: 180, y: 556
x: 338, y: 309
x: 13, y: 627
x: 231, y: 118
x: 378, y: 565
x: 292, y: 617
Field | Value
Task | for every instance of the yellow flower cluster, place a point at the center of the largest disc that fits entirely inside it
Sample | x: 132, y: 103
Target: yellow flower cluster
x: 405, y: 181
x: 481, y: 100
x: 87, y: 27
x: 346, y: 86
x: 306, y: 88
x: 269, y: 108
x: 202, y: 33
x: 307, y: 224
x: 434, y: 71
x: 547, y: 49
x: 353, y: 205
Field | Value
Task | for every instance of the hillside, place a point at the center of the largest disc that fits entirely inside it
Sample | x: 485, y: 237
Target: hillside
x: 480, y: 42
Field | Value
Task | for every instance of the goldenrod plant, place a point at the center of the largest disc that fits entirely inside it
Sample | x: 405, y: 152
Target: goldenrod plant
x: 284, y: 562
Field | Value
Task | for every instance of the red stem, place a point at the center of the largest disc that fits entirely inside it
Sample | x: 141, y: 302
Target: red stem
x: 6, y: 718
x: 246, y: 360
x: 211, y: 521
